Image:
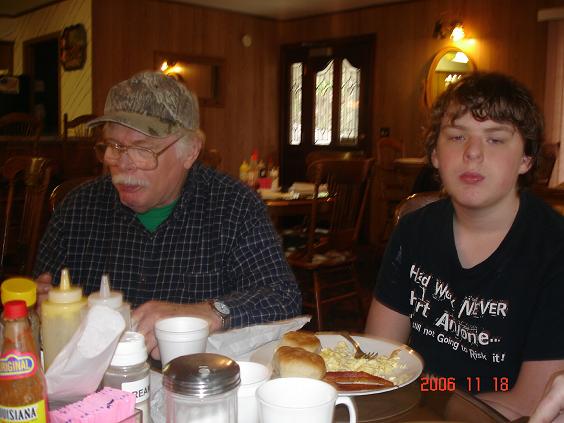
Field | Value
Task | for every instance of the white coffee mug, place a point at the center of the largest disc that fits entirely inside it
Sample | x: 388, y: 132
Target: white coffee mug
x: 300, y: 400
x: 253, y: 375
x: 181, y: 335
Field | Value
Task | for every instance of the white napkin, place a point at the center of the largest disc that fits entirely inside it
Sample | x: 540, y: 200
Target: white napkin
x: 238, y: 344
x: 307, y: 188
x: 80, y: 366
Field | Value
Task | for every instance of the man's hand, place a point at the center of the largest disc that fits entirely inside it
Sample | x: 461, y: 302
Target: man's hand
x: 44, y: 284
x: 145, y: 316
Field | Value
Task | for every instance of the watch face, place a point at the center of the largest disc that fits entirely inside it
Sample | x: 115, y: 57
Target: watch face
x: 221, y: 307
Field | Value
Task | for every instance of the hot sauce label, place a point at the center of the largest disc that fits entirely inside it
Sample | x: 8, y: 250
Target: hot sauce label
x: 17, y: 365
x: 32, y: 413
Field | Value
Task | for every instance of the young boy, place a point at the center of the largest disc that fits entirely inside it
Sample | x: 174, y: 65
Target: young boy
x: 474, y: 282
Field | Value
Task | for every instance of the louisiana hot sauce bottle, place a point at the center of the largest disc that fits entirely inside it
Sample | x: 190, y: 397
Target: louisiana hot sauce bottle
x: 23, y: 392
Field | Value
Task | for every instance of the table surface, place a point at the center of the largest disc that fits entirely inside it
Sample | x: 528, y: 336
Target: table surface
x: 409, y: 404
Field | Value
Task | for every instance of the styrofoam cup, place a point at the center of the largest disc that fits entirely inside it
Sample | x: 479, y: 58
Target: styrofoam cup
x: 300, y: 400
x: 253, y: 375
x: 181, y: 335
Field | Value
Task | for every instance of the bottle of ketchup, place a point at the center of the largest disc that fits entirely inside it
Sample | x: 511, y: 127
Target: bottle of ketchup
x: 23, y: 391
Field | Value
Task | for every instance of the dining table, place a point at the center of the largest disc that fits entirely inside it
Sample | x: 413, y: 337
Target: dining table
x: 413, y: 401
x: 416, y: 403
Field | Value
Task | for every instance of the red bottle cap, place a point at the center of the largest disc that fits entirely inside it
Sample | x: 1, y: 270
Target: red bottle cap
x: 15, y: 309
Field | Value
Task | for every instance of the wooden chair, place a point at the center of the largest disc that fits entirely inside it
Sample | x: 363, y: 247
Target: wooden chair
x: 60, y: 191
x: 335, y: 155
x: 78, y: 158
x: 414, y: 202
x: 77, y: 126
x: 391, y: 188
x: 21, y: 125
x: 211, y: 158
x: 28, y: 181
x: 326, y: 266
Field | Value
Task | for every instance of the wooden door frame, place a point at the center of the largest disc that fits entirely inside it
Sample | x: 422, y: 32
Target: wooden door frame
x: 29, y: 67
x: 366, y: 92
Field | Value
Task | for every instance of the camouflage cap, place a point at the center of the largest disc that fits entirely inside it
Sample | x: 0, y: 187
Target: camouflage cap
x: 152, y: 103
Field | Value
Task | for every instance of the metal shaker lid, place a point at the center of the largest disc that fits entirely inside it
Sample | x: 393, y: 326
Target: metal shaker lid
x: 201, y: 375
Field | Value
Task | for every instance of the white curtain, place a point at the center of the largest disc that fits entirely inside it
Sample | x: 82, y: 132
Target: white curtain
x: 554, y: 95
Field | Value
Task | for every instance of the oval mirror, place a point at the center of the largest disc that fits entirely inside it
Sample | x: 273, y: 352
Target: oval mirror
x: 448, y: 66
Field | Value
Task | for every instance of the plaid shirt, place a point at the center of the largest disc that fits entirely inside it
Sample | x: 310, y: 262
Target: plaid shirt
x: 218, y: 242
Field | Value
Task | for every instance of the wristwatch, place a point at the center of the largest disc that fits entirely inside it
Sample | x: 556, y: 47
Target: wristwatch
x: 222, y: 310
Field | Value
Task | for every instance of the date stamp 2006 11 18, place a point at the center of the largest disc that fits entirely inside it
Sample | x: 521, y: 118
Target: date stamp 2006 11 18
x: 471, y: 384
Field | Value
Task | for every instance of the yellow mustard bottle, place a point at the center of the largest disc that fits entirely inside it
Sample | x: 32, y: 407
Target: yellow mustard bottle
x: 60, y: 317
x: 21, y: 288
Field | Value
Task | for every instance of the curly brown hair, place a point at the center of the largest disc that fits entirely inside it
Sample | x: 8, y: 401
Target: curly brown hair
x: 490, y: 96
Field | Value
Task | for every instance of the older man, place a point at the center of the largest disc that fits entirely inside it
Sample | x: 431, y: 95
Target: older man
x: 175, y: 236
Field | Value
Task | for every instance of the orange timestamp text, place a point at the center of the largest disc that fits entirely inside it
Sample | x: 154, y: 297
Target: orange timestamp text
x: 471, y: 384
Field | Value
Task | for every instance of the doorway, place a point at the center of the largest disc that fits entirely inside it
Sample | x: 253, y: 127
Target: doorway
x: 41, y: 63
x: 326, y: 101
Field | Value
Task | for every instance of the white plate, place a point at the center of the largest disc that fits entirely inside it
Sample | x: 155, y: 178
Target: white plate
x: 411, y: 363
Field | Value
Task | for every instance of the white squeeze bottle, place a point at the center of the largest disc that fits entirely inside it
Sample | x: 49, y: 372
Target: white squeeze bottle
x: 60, y: 317
x: 112, y: 299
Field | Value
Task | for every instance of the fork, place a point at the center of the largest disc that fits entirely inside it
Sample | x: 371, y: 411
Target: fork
x: 358, y: 352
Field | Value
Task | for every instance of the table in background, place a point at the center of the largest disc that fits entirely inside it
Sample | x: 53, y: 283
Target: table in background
x: 300, y: 206
x: 409, y: 404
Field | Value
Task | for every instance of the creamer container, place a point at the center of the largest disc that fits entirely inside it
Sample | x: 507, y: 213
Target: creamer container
x: 201, y: 388
x: 60, y: 317
x: 129, y: 371
x: 23, y: 289
x: 23, y: 392
x: 112, y: 299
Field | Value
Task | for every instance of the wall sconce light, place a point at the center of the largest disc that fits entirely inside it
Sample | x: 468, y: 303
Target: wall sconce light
x: 454, y: 30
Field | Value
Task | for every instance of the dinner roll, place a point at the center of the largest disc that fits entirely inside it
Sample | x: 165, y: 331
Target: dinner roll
x: 301, y: 339
x: 297, y: 362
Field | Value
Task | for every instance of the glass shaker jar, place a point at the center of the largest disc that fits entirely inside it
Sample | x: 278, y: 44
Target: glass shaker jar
x: 201, y: 388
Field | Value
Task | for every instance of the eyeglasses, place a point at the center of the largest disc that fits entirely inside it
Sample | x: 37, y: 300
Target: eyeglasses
x: 110, y: 152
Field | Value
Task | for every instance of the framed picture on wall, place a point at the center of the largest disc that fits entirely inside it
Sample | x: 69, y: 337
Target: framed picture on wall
x: 205, y: 76
x: 73, y: 47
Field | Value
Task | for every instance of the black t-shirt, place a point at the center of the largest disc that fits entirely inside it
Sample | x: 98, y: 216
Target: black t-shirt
x: 482, y: 322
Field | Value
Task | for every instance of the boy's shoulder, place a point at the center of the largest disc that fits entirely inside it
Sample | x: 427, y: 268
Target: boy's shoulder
x: 541, y: 215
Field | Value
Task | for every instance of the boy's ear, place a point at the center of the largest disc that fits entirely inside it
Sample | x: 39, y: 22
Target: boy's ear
x: 526, y: 163
x: 434, y: 159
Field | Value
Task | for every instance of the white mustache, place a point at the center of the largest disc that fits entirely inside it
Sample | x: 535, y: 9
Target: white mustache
x: 129, y: 180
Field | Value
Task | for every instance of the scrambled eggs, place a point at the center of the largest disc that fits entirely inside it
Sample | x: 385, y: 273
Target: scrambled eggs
x: 341, y: 358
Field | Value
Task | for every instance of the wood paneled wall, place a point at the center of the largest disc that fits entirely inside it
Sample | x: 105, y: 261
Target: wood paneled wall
x: 507, y: 37
x: 128, y: 32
